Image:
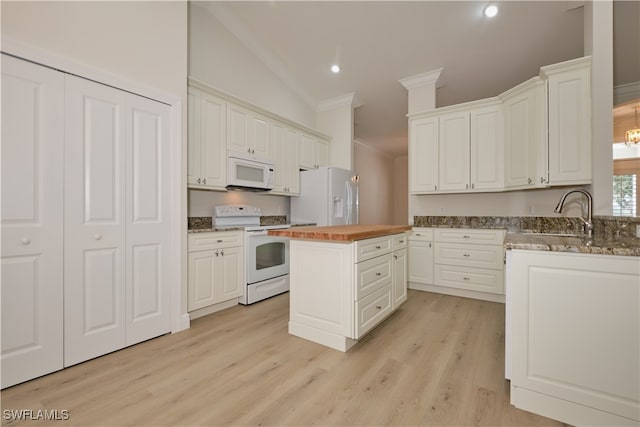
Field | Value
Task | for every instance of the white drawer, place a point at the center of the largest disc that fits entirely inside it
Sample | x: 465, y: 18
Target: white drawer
x: 483, y: 256
x: 214, y: 240
x: 473, y: 279
x: 399, y: 241
x: 421, y: 233
x: 371, y: 310
x: 371, y: 248
x: 372, y: 274
x: 468, y: 235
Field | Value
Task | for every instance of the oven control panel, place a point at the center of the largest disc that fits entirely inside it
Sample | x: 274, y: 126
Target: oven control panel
x: 225, y: 211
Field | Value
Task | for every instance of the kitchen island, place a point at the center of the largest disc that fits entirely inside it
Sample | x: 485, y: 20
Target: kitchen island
x: 344, y: 280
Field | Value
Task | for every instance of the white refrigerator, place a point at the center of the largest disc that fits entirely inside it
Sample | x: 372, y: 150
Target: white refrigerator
x: 328, y: 196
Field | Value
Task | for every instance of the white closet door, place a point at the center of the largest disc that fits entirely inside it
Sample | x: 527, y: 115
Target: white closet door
x: 94, y: 256
x: 147, y: 219
x: 31, y: 218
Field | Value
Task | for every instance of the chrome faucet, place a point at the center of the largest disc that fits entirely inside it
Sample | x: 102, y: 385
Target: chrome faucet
x: 588, y: 223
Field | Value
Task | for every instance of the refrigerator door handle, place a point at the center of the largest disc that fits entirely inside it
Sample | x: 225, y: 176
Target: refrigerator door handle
x: 349, y: 202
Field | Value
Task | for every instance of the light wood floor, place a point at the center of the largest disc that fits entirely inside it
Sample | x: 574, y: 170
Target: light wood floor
x: 438, y: 361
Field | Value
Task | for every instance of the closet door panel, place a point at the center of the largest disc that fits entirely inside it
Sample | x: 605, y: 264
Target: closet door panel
x: 94, y: 256
x: 147, y: 223
x: 31, y: 220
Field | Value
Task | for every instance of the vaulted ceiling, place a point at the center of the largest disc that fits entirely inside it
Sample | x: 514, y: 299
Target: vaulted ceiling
x: 377, y: 43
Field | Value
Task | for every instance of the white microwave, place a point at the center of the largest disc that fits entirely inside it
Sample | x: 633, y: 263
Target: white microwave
x: 249, y: 174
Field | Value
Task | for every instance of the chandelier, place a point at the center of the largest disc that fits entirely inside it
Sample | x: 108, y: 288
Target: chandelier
x: 632, y: 136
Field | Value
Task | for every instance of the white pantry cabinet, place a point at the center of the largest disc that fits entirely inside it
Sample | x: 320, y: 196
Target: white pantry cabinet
x: 314, y: 152
x: 32, y: 220
x: 93, y: 210
x: 216, y: 268
x: 575, y: 336
x: 247, y: 131
x: 207, y: 150
x: 569, y: 110
x: 117, y: 215
x: 284, y: 152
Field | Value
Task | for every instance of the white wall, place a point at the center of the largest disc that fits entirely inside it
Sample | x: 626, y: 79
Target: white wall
x: 338, y: 123
x: 219, y: 58
x: 400, y: 190
x: 376, y: 171
x: 142, y: 41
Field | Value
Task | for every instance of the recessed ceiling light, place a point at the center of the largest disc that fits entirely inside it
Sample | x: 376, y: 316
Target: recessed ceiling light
x: 491, y: 11
x: 335, y: 68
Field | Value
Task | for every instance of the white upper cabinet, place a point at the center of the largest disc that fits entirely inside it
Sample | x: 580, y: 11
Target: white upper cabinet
x: 314, y: 152
x: 454, y: 151
x: 535, y: 135
x: 247, y: 132
x: 525, y: 132
x: 487, y: 148
x: 207, y: 154
x: 31, y: 220
x: 458, y: 150
x: 423, y: 155
x: 284, y: 152
x: 569, y: 109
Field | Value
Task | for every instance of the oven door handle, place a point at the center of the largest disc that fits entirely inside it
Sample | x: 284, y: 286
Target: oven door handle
x: 252, y: 233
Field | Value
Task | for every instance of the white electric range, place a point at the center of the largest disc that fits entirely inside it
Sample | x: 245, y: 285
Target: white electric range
x: 266, y: 257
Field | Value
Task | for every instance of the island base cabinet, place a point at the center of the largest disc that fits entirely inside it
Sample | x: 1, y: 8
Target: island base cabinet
x: 339, y: 291
x: 576, y: 336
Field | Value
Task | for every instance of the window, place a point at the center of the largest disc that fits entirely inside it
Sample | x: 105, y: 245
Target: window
x: 625, y: 192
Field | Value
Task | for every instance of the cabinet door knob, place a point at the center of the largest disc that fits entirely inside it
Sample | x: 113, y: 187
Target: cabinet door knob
x: 222, y: 252
x: 204, y: 181
x: 429, y: 244
x: 378, y: 273
x: 97, y: 236
x: 529, y: 180
x: 217, y: 253
x: 26, y: 240
x: 473, y: 186
x: 199, y: 180
x: 395, y: 257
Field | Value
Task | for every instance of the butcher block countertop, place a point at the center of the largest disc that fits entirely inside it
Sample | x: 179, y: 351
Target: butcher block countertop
x: 340, y: 233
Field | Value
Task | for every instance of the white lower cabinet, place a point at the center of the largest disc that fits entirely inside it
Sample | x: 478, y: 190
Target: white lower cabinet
x: 340, y: 291
x: 457, y: 261
x: 575, y: 336
x: 420, y: 257
x: 93, y: 210
x: 216, y: 269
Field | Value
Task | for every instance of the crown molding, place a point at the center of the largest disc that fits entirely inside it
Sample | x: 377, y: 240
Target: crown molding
x: 349, y: 100
x: 430, y: 77
x: 226, y: 18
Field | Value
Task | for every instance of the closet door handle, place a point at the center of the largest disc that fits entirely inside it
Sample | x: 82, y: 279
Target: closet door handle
x: 97, y: 236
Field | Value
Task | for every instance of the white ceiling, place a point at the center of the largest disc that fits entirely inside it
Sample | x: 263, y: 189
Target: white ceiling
x: 378, y: 43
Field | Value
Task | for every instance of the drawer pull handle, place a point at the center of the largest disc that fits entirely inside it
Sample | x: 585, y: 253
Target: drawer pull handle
x: 418, y: 234
x: 377, y: 246
x: 217, y: 253
x: 222, y: 252
x: 401, y: 241
x: 378, y: 274
x: 466, y: 255
x: 466, y: 237
x: 395, y: 257
x: 219, y: 240
x: 378, y: 307
x: 466, y: 278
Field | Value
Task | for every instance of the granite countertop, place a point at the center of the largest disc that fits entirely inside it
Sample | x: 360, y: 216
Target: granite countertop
x: 626, y: 246
x: 612, y: 235
x: 340, y: 233
x: 209, y: 230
